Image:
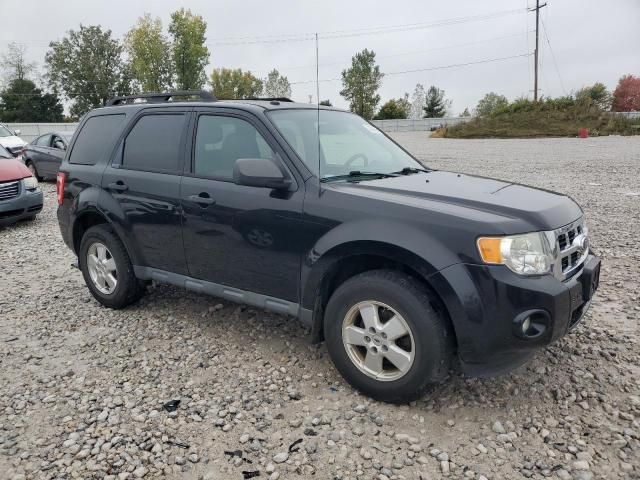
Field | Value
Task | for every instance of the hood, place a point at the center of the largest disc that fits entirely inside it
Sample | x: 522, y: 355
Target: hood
x: 12, y: 142
x: 11, y: 169
x: 540, y: 209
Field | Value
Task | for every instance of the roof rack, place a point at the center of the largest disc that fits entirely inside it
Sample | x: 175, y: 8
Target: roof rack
x: 160, y: 97
x: 271, y: 99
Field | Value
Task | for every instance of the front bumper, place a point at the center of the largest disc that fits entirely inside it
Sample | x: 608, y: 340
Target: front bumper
x: 26, y: 204
x: 488, y: 304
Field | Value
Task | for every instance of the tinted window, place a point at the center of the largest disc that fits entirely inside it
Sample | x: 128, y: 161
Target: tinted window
x: 154, y: 144
x: 220, y: 141
x: 97, y: 137
x: 43, y: 141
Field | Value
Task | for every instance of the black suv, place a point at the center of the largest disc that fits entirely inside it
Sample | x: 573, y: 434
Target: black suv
x: 404, y: 271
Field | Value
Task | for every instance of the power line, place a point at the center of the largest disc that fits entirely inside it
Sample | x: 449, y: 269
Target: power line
x: 428, y: 69
x: 302, y: 37
x: 553, y: 56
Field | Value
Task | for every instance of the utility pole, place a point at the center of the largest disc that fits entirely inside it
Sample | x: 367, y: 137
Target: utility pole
x: 535, y: 84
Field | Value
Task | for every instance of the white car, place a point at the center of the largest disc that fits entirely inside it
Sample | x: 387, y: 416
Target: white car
x: 11, y: 141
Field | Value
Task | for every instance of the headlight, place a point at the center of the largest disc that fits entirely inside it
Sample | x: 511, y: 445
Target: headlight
x: 527, y: 254
x: 30, y: 183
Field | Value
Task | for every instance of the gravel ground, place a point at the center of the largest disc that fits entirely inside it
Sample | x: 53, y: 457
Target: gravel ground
x: 82, y: 388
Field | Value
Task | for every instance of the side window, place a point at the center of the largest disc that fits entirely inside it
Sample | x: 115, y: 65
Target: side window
x: 43, y: 141
x: 97, y: 137
x: 221, y: 140
x: 154, y: 144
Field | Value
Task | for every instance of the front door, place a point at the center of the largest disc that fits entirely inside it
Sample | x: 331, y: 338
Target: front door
x: 144, y: 183
x: 234, y: 235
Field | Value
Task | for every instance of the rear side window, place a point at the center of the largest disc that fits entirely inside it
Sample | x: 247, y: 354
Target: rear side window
x: 97, y: 137
x: 43, y: 141
x: 154, y: 144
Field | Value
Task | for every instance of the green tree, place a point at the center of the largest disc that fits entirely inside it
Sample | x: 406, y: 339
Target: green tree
x: 14, y: 63
x: 361, y: 83
x: 395, y: 108
x: 150, y: 55
x: 276, y: 85
x: 435, y: 103
x: 326, y: 103
x: 596, y: 95
x: 465, y: 112
x: 490, y: 104
x: 231, y: 84
x: 22, y: 101
x: 88, y: 68
x: 190, y: 54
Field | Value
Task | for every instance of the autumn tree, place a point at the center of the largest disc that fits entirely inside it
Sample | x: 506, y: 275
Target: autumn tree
x: 189, y: 51
x: 88, y: 67
x: 276, y: 85
x: 150, y: 55
x: 435, y: 104
x: 395, y: 109
x: 22, y: 102
x: 491, y: 103
x: 361, y: 83
x: 626, y: 96
x: 230, y: 83
x: 15, y: 64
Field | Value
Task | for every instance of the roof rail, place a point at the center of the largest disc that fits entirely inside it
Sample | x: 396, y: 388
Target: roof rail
x: 271, y: 99
x: 160, y: 97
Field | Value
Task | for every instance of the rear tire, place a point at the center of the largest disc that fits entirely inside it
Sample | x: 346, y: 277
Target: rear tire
x: 32, y: 168
x: 107, y: 269
x: 409, y: 350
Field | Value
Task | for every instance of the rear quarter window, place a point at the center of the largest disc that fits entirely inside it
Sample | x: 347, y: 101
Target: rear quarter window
x: 97, y: 137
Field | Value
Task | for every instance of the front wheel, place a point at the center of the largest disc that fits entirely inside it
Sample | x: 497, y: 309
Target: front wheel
x: 33, y: 170
x: 385, y: 336
x: 107, y: 269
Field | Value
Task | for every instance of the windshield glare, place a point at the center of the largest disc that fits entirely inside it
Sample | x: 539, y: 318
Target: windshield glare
x: 347, y: 143
x: 5, y: 132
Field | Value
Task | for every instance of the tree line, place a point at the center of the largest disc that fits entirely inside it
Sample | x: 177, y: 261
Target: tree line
x: 88, y: 66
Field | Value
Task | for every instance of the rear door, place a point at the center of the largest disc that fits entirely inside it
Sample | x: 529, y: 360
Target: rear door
x: 144, y: 182
x: 38, y: 154
x: 235, y: 235
x: 55, y: 153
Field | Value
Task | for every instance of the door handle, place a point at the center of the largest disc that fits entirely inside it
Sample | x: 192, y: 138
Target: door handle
x: 119, y: 186
x: 203, y: 199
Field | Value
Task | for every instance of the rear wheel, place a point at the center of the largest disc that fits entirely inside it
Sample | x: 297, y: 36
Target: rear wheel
x: 107, y: 269
x: 33, y: 170
x: 386, y: 338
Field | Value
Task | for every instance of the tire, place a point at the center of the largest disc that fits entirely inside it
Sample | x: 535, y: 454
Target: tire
x: 127, y: 289
x: 31, y: 166
x: 429, y: 341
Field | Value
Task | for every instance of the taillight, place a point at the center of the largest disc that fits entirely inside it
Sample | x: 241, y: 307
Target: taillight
x: 60, y: 181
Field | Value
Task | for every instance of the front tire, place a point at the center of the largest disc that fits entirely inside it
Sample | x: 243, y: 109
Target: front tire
x: 107, y: 269
x: 32, y: 168
x: 386, y: 338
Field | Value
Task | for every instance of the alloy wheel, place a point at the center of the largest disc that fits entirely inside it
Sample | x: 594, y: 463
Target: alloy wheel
x: 102, y: 268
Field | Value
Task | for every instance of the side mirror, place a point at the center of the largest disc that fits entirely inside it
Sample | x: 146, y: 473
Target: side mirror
x: 17, y: 132
x: 259, y: 172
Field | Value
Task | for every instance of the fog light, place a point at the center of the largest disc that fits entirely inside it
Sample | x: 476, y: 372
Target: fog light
x: 526, y: 324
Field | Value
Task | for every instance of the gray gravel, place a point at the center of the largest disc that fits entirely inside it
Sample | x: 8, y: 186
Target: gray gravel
x: 82, y: 388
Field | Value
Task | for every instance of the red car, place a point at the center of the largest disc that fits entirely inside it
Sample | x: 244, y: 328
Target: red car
x: 20, y: 197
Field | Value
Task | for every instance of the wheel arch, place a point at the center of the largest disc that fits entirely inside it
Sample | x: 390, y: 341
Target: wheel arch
x: 90, y: 217
x: 351, y: 258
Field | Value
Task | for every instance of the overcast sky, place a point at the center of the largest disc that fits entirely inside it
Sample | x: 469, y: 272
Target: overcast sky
x: 591, y: 40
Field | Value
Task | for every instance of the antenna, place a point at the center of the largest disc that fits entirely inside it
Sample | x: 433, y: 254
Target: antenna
x: 318, y: 105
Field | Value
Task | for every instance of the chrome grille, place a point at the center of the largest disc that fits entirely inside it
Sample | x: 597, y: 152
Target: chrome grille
x: 9, y: 190
x: 572, y: 248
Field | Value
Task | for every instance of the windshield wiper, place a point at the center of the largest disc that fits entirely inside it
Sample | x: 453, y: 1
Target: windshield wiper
x: 410, y: 170
x: 359, y: 175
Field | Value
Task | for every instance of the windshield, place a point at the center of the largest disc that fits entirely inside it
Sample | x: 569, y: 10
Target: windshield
x: 5, y: 132
x: 347, y: 143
